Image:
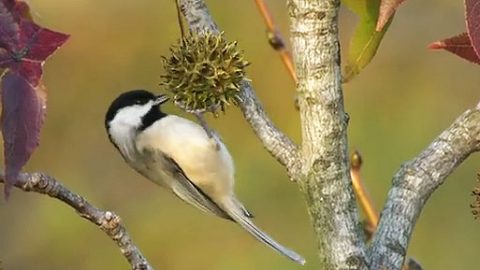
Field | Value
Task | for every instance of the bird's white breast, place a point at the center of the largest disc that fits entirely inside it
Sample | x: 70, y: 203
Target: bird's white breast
x: 204, y: 160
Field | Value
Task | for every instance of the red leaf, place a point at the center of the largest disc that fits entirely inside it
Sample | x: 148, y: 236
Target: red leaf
x: 30, y: 71
x: 23, y: 112
x: 39, y: 42
x: 459, y: 45
x: 5, y: 58
x: 22, y: 10
x: 387, y: 9
x: 9, y: 27
x: 24, y: 47
x: 22, y: 40
x: 473, y: 23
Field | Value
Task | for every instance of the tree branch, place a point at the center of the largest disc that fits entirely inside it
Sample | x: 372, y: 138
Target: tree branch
x: 276, y: 142
x: 326, y: 182
x: 413, y: 184
x: 107, y: 221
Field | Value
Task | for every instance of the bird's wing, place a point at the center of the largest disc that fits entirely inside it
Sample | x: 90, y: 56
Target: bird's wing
x: 189, y: 192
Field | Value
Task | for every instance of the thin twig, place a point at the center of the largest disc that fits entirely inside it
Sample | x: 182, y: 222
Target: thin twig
x: 275, y: 38
x: 203, y: 123
x: 210, y: 132
x: 361, y: 192
x: 107, y: 221
x: 180, y: 20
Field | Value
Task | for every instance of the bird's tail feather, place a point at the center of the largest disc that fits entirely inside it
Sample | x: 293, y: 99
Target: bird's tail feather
x: 238, y: 216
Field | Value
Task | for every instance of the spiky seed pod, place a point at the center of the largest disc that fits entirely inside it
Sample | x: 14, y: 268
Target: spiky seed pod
x: 204, y: 72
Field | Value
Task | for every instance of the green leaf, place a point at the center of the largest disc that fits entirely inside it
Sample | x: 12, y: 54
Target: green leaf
x: 365, y: 40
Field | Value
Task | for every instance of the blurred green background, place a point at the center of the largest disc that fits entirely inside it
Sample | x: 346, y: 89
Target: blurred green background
x: 397, y: 106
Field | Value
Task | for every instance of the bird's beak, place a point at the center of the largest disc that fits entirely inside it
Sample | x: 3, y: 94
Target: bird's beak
x: 161, y: 99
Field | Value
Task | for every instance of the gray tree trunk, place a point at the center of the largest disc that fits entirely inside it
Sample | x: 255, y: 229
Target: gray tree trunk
x: 325, y: 174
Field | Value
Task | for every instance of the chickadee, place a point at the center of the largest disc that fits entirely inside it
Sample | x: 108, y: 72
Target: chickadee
x: 179, y: 155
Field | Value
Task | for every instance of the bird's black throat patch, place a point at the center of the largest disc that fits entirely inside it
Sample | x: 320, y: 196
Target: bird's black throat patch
x: 151, y: 117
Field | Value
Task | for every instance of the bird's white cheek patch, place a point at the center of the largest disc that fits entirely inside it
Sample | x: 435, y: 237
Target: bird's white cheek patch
x: 131, y: 116
x: 123, y: 128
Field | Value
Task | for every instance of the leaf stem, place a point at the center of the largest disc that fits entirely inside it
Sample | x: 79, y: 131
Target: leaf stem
x: 275, y: 39
x: 361, y: 192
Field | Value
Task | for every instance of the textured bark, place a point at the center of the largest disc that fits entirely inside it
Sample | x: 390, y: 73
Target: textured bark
x: 326, y: 182
x: 277, y: 143
x: 415, y: 182
x: 107, y: 221
x: 322, y: 166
